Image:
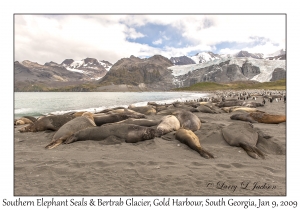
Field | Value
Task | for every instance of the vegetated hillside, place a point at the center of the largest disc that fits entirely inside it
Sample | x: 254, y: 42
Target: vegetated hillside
x: 238, y: 85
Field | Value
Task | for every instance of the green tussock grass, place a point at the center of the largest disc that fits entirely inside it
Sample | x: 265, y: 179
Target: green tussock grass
x: 240, y: 85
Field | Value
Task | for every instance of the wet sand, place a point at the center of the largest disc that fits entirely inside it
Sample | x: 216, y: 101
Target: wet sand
x: 161, y: 166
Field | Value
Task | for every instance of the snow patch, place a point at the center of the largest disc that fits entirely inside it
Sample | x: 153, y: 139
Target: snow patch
x: 75, y: 70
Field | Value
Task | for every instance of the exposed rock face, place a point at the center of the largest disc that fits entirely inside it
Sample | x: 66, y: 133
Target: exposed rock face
x: 152, y: 72
x: 249, y: 70
x: 31, y: 76
x: 51, y: 71
x: 247, y: 54
x: 223, y: 72
x: 278, y: 73
x: 182, y: 60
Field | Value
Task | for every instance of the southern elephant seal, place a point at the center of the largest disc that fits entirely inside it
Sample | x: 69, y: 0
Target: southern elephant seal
x: 131, y: 133
x: 147, y: 110
x: 26, y: 120
x: 243, y: 135
x: 140, y: 122
x: 229, y: 103
x: 23, y: 121
x: 168, y: 124
x: 260, y: 117
x: 189, y: 138
x: 78, y: 123
x: 53, y: 122
x: 187, y: 120
x: 101, y: 119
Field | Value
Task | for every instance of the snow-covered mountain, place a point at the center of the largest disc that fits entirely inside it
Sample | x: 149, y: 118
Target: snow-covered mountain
x: 205, y: 57
x: 88, y: 66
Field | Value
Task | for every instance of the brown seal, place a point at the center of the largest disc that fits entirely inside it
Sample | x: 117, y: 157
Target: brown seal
x: 53, y: 122
x: 76, y: 124
x: 189, y: 138
x: 140, y: 122
x: 101, y: 119
x: 243, y: 135
x: 23, y: 121
x: 131, y: 133
x: 187, y: 120
x: 147, y: 110
x: 168, y: 124
x: 260, y: 117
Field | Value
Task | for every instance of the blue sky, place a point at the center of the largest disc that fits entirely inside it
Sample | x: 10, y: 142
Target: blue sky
x: 160, y: 36
x: 44, y: 38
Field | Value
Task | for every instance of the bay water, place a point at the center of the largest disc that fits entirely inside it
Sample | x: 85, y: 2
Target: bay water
x: 43, y: 103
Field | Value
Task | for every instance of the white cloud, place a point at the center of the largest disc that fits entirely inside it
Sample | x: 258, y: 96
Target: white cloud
x: 157, y: 42
x: 131, y: 33
x: 54, y: 38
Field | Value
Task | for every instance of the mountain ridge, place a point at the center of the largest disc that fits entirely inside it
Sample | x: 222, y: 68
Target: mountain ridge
x: 153, y: 73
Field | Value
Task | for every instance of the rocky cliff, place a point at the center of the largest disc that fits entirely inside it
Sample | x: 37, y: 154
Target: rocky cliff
x: 278, y: 73
x: 182, y: 60
x: 150, y: 72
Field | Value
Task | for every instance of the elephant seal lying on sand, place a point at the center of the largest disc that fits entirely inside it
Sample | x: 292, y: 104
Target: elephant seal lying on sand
x: 168, y: 124
x: 131, y: 133
x: 190, y: 139
x: 243, y: 135
x: 260, y: 117
x: 101, y: 119
x: 78, y: 123
x: 53, y: 122
x: 187, y: 120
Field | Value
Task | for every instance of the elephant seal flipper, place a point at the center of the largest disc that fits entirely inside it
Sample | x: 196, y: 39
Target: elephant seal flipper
x: 56, y: 142
x: 253, y: 152
x: 204, y: 153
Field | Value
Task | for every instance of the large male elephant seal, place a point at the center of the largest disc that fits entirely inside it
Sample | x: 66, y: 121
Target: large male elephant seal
x: 53, y: 122
x: 260, y: 117
x: 243, y: 135
x: 189, y: 138
x: 78, y: 123
x: 168, y: 124
x: 131, y: 133
x: 187, y: 120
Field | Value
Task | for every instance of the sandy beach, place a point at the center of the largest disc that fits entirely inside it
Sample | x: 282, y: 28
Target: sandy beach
x: 161, y: 166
